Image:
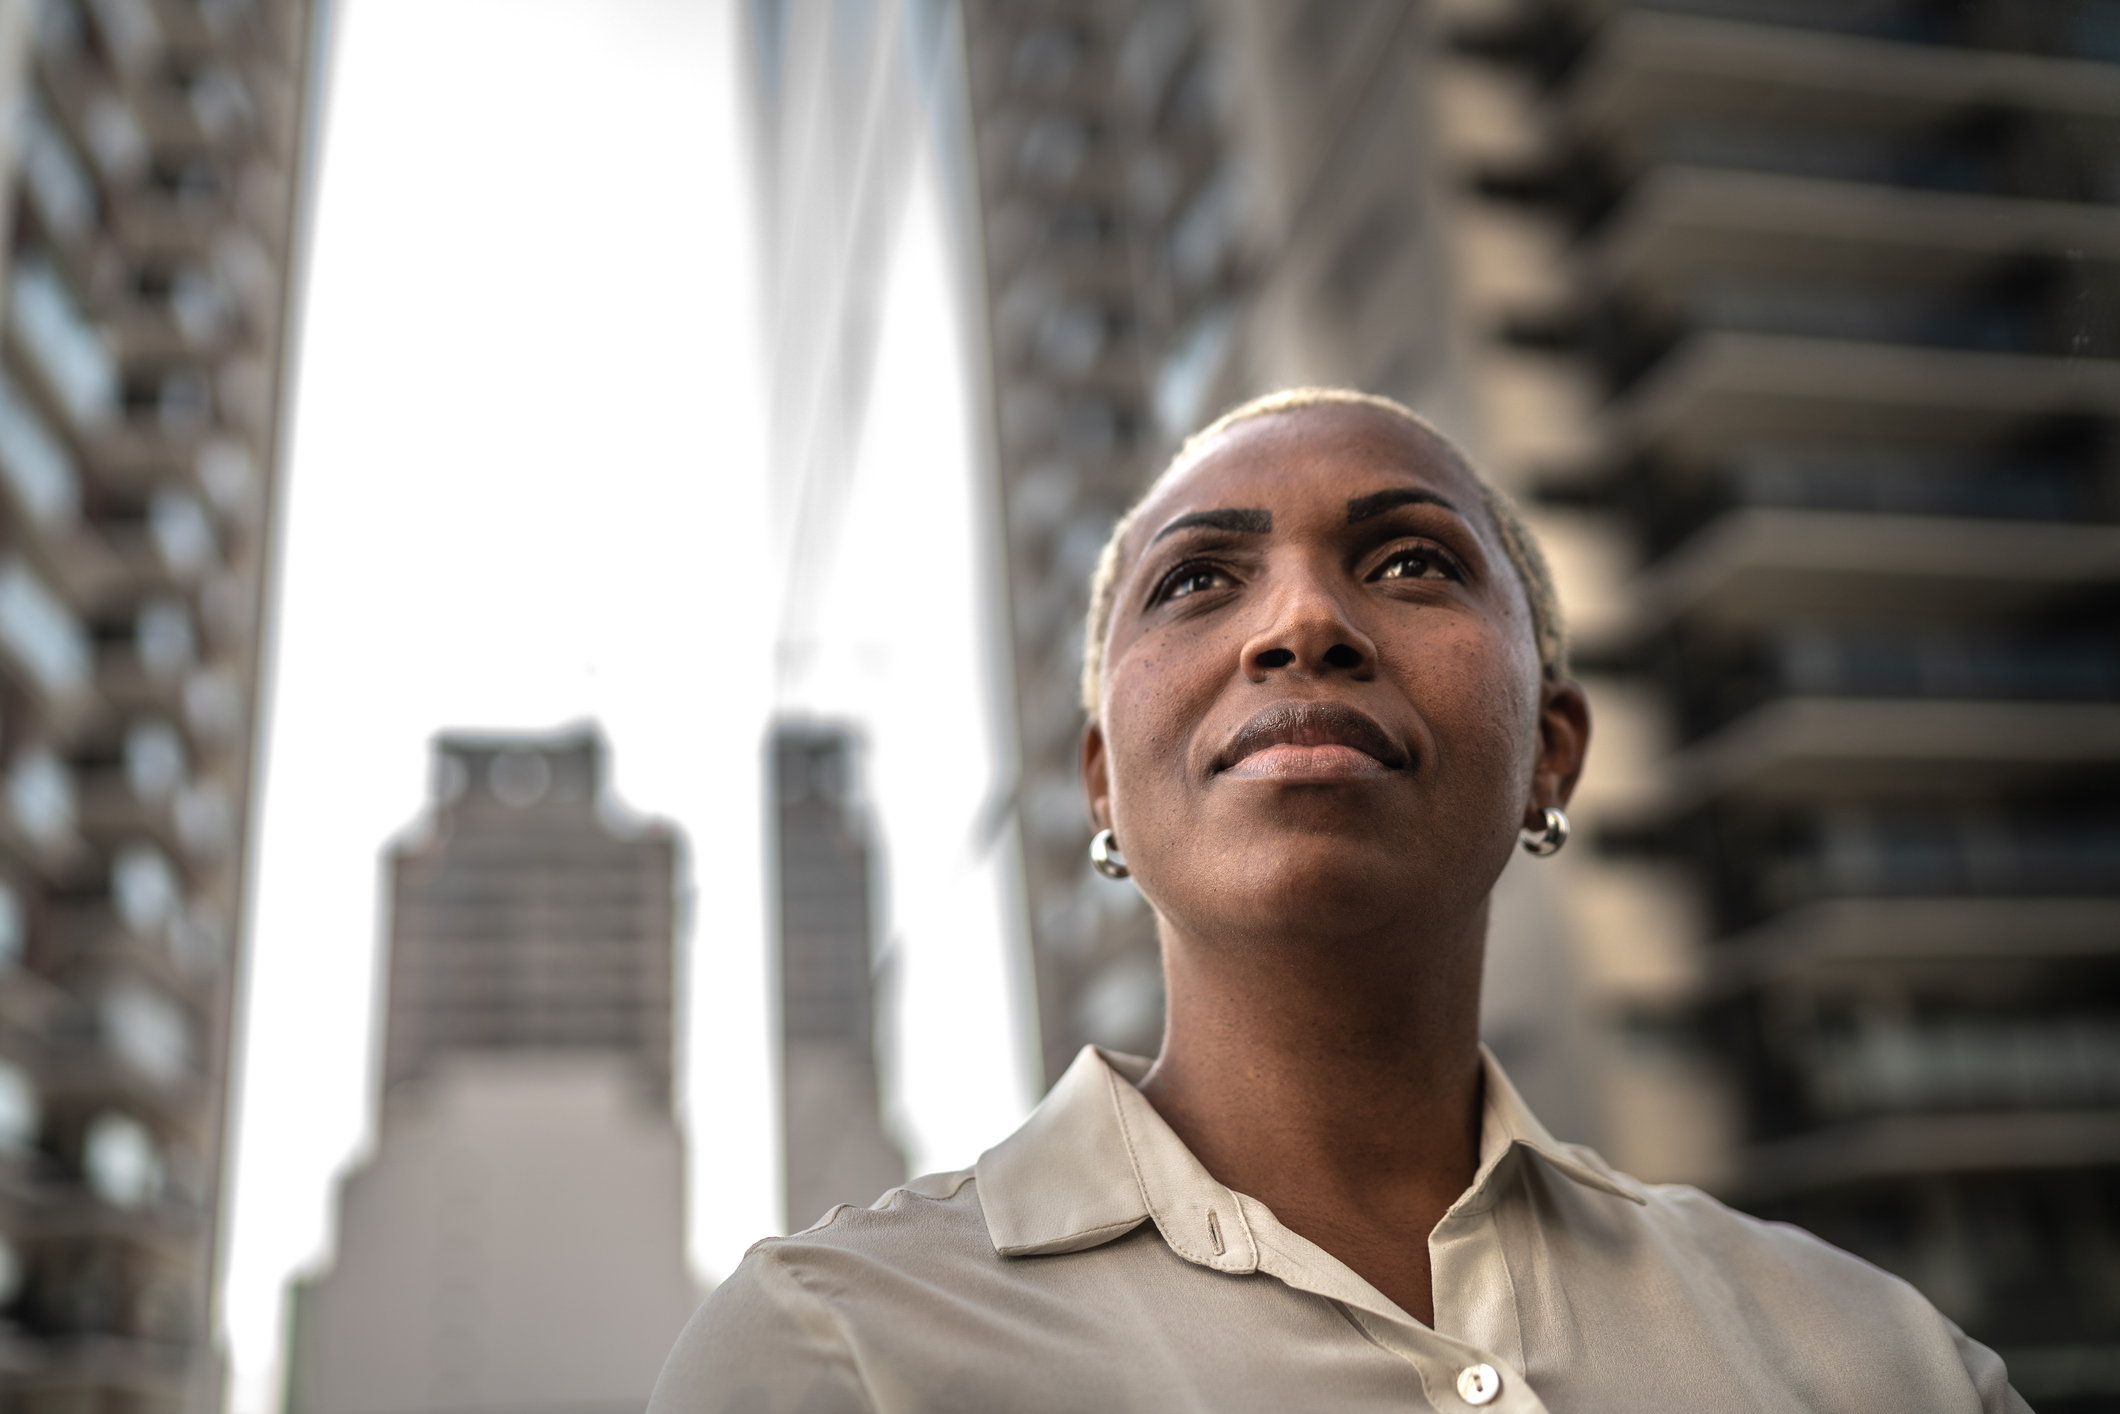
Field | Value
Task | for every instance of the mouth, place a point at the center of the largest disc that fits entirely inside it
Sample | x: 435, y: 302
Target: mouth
x: 1311, y: 741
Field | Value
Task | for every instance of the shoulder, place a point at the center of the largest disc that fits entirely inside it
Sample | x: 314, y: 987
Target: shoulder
x: 1822, y: 1311
x: 776, y: 1333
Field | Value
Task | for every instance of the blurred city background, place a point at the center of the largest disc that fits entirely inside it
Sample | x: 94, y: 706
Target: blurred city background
x: 542, y: 546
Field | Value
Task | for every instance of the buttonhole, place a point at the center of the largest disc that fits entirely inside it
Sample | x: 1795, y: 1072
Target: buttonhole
x: 1214, y: 1231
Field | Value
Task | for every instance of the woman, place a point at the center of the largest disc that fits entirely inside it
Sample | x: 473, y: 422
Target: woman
x: 1327, y: 695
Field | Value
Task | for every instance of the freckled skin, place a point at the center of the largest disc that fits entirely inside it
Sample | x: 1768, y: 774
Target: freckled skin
x: 1323, y: 931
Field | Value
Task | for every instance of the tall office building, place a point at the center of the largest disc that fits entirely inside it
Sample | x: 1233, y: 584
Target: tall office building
x: 151, y: 152
x: 516, y: 1243
x: 844, y: 99
x: 1811, y: 312
x: 833, y: 1145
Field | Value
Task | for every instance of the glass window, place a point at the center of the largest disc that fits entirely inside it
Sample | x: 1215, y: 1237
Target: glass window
x: 155, y: 762
x: 164, y: 637
x: 39, y: 471
x: 68, y: 349
x: 144, y: 888
x: 41, y: 632
x: 114, y: 137
x: 59, y: 186
x: 40, y: 793
x: 121, y: 1161
x: 146, y: 1030
x: 229, y: 476
x: 182, y: 532
x: 130, y: 29
x: 221, y: 103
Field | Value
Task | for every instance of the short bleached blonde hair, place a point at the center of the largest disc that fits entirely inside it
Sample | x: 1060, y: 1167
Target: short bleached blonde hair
x: 1548, y: 629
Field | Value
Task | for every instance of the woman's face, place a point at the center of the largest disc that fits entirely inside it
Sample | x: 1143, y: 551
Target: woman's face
x: 1322, y: 704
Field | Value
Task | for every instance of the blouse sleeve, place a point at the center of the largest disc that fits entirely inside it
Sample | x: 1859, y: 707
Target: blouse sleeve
x: 763, y: 1343
x: 1984, y: 1367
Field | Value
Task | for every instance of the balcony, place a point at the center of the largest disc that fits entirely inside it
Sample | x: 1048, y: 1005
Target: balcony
x: 2053, y: 27
x: 1817, y: 750
x: 1682, y: 224
x: 1717, y: 682
x: 1646, y: 66
x: 1758, y: 567
x: 1917, y: 1145
x: 1838, y: 938
x: 1719, y: 392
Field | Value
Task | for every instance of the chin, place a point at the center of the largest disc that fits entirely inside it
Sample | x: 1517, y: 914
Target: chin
x: 1330, y: 883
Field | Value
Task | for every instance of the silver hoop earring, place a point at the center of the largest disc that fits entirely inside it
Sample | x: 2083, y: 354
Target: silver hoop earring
x: 1549, y: 840
x: 1101, y: 858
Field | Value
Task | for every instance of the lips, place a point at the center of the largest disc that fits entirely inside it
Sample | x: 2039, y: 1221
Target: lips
x: 1312, y: 740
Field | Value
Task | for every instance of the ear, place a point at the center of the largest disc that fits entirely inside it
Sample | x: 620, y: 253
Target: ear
x: 1096, y: 775
x: 1563, y: 743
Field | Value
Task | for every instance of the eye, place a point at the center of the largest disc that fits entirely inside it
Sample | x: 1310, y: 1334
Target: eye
x: 1417, y: 562
x: 1193, y: 579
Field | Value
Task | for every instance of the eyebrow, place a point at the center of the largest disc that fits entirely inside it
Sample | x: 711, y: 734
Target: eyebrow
x: 1241, y: 522
x: 1362, y: 508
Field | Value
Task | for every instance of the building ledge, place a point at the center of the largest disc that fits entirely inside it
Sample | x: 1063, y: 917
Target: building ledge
x: 1908, y: 1146
x: 1837, y: 937
x: 1646, y: 65
x: 1821, y: 749
x: 1682, y: 223
x: 1721, y: 390
x: 1758, y: 566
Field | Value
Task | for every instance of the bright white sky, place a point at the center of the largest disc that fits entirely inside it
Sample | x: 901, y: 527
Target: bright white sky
x: 526, y: 488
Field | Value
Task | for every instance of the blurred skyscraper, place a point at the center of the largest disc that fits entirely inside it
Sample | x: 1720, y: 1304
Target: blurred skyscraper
x: 1802, y: 319
x: 152, y: 152
x: 833, y: 1148
x: 517, y: 1242
x: 844, y: 98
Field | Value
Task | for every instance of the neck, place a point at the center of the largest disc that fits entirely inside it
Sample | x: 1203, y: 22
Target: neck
x: 1334, y: 1079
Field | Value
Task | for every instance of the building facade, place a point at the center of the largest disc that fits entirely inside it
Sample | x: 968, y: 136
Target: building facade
x: 152, y: 153
x: 844, y: 99
x: 833, y: 1145
x: 1798, y: 306
x: 517, y: 1241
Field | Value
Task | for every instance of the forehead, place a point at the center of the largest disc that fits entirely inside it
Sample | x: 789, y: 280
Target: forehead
x: 1315, y: 458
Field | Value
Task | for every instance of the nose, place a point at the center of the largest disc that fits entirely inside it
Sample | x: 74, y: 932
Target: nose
x: 1309, y: 635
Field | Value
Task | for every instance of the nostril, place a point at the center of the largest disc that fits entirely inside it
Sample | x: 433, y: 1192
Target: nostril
x: 1342, y: 656
x: 1276, y: 658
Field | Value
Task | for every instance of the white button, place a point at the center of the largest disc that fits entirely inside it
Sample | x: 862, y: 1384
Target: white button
x: 1479, y: 1384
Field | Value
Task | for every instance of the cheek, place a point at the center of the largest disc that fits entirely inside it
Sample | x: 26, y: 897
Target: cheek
x: 1151, y: 710
x: 1479, y: 691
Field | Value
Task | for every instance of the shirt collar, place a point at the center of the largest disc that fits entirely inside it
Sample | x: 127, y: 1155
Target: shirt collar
x: 1095, y: 1161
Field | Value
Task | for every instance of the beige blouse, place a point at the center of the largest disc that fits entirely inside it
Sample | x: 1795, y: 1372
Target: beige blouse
x: 1089, y: 1262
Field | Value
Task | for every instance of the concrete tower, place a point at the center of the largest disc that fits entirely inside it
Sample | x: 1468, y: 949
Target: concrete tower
x: 150, y: 156
x: 516, y: 1243
x: 835, y: 1149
